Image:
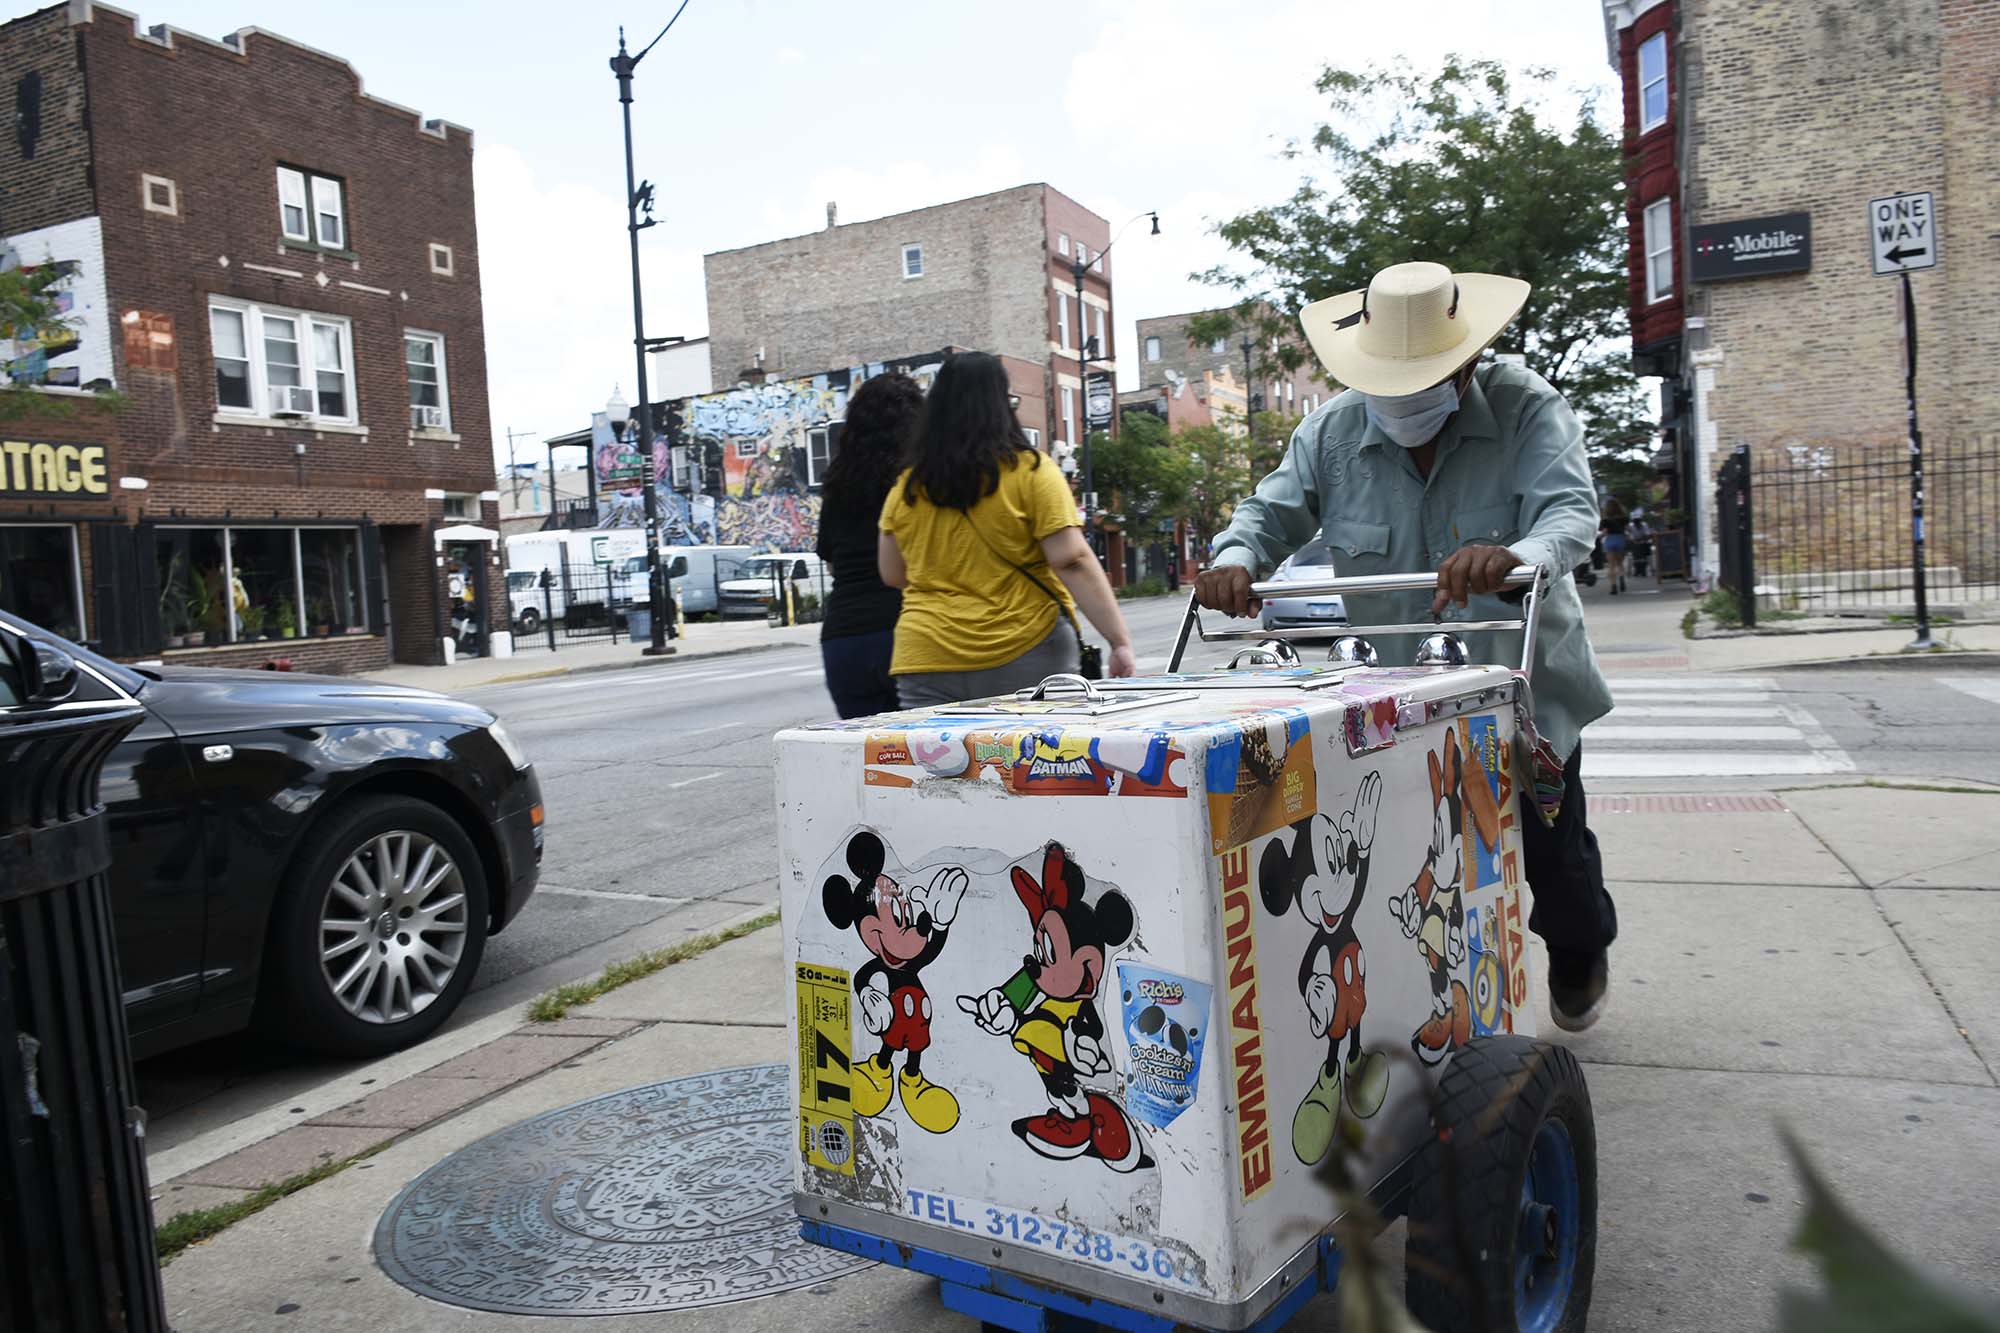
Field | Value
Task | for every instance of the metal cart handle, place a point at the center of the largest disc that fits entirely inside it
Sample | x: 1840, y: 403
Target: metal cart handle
x: 1531, y: 577
x: 1065, y: 680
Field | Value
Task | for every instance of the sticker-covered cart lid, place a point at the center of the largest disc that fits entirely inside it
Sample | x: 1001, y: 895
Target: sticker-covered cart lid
x: 1069, y: 695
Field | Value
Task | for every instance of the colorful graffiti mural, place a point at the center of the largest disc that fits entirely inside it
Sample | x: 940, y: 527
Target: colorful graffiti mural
x: 750, y: 452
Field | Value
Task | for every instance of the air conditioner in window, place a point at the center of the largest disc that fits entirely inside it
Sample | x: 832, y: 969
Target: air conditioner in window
x: 291, y: 400
x: 426, y: 417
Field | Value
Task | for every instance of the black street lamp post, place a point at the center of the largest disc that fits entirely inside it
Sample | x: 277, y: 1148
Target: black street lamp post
x: 639, y: 197
x: 1086, y: 347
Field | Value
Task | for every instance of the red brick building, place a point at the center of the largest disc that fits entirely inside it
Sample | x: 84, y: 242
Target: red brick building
x: 278, y: 275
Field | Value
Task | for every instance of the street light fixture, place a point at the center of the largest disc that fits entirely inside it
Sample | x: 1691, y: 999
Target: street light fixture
x: 1086, y: 353
x: 639, y: 196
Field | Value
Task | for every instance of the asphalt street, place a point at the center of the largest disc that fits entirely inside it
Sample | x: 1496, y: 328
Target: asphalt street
x: 658, y: 784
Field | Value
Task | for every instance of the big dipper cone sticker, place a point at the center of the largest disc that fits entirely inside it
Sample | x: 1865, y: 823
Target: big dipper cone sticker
x: 1166, y: 1025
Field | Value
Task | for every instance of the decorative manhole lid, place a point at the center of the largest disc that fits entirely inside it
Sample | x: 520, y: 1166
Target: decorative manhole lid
x: 664, y: 1197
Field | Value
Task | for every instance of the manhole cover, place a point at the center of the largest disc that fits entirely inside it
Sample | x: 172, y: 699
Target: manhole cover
x: 658, y: 1198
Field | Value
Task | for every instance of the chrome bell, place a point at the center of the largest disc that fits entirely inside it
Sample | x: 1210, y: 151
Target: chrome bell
x: 1353, y: 648
x: 1442, y: 650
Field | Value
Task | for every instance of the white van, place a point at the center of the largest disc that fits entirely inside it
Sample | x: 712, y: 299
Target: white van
x: 708, y: 568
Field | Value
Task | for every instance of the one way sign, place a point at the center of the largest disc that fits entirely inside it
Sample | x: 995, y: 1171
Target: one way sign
x: 1902, y: 231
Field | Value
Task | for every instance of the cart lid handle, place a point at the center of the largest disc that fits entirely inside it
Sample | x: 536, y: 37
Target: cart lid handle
x: 1066, y: 681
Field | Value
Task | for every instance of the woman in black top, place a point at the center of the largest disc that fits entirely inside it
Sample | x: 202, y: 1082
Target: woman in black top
x: 858, y: 635
x: 1611, y: 530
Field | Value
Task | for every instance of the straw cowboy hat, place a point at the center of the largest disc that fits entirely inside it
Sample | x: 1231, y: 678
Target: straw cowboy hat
x: 1413, y: 326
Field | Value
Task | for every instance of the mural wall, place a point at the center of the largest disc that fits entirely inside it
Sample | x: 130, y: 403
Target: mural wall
x: 737, y: 466
x: 81, y: 357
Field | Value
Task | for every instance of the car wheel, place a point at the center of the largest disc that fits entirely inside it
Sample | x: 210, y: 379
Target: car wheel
x: 377, y: 938
x: 531, y: 621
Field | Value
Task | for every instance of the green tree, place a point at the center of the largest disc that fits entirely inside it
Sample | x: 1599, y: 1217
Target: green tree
x: 1462, y: 167
x: 1141, y: 475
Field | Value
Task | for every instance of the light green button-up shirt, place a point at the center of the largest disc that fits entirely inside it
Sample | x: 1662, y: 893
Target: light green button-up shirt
x: 1510, y: 471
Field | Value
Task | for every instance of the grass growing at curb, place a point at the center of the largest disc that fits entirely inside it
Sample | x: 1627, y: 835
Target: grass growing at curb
x: 191, y: 1228
x: 554, y: 1004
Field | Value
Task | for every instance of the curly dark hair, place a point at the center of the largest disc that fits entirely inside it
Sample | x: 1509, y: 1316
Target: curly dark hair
x: 967, y: 433
x: 880, y: 417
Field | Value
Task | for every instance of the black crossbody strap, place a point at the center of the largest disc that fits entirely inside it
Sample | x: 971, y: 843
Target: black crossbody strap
x: 1023, y: 571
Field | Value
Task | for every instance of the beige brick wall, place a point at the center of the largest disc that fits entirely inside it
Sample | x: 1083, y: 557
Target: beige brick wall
x: 838, y: 297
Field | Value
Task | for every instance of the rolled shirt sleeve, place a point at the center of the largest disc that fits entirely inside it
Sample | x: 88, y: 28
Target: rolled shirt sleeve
x: 1279, y: 517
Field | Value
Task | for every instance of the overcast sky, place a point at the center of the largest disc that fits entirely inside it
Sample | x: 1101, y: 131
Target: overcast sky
x: 752, y: 114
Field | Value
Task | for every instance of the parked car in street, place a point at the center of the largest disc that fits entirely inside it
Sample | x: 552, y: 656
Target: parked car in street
x: 1311, y: 561
x: 758, y: 579
x: 323, y: 857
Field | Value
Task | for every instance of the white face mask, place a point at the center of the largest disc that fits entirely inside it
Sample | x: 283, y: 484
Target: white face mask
x: 1414, y: 418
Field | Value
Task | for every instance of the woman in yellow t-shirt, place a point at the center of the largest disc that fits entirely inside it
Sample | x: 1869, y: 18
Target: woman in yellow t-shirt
x: 982, y: 536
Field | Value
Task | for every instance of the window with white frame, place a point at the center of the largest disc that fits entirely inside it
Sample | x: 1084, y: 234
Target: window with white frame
x: 1097, y: 262
x: 1062, y: 320
x: 423, y: 358
x: 441, y: 262
x: 1653, y: 82
x: 819, y: 454
x: 913, y: 261
x: 312, y: 208
x: 1220, y: 347
x: 1062, y: 242
x: 1152, y: 349
x: 1067, y: 422
x: 157, y: 194
x: 1659, y: 250
x: 1034, y: 436
x: 464, y: 508
x: 1103, y: 346
x: 272, y: 362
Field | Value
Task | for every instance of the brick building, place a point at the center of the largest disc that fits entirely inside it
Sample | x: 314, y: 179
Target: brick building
x: 992, y: 273
x: 1167, y: 355
x: 1757, y: 135
x: 279, y: 275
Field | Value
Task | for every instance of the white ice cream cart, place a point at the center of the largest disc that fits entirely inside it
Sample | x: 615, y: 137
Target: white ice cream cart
x: 1088, y: 983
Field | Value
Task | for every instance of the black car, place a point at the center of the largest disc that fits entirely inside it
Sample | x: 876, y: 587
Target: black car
x: 324, y: 857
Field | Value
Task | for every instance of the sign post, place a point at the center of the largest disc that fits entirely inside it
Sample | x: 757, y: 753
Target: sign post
x: 1902, y: 233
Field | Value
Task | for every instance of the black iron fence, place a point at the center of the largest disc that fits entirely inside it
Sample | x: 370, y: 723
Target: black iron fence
x: 1830, y: 532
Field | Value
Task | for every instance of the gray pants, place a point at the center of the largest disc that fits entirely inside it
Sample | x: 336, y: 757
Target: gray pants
x: 1055, y: 653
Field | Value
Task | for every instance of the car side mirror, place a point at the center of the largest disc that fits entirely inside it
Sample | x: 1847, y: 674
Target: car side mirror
x: 678, y: 568
x: 48, y: 674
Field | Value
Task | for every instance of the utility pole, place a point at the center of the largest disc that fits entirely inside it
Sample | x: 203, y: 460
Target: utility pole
x: 514, y: 469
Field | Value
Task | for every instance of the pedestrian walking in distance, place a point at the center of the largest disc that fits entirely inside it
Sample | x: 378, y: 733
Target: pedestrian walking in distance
x: 858, y: 634
x: 1436, y: 459
x: 1611, y: 526
x: 982, y: 535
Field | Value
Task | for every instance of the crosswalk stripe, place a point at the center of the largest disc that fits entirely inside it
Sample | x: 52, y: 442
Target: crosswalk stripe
x: 1625, y: 710
x: 1709, y: 763
x: 1668, y: 697
x: 1691, y: 684
x: 1978, y: 688
x: 1612, y: 732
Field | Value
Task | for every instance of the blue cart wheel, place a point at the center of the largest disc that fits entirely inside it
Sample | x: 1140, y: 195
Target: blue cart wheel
x: 1503, y: 1210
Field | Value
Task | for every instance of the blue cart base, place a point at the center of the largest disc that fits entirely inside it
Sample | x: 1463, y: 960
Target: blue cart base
x: 1002, y: 1300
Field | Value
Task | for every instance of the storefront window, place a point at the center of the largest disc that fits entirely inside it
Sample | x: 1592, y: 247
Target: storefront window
x: 267, y: 583
x: 38, y: 577
x: 248, y: 585
x: 194, y: 587
x: 331, y: 558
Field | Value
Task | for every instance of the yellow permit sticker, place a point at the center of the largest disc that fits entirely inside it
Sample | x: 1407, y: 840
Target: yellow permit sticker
x: 826, y: 1110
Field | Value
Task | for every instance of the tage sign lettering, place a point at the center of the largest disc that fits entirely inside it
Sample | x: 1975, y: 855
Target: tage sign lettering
x: 38, y: 470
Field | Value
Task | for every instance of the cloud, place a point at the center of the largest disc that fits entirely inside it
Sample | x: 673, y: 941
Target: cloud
x: 556, y: 283
x: 791, y: 55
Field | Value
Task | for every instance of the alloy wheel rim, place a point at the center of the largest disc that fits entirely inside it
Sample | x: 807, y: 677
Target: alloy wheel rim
x: 392, y: 927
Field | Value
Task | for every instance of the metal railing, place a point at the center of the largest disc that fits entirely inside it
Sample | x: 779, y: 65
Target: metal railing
x: 1832, y: 525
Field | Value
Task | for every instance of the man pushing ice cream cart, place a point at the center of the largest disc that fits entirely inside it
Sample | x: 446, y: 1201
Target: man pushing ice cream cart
x: 1092, y: 984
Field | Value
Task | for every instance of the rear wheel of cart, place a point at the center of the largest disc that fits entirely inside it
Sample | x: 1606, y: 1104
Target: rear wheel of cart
x: 1503, y: 1211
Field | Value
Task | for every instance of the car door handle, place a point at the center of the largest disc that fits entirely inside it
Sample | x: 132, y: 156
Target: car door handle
x: 218, y: 754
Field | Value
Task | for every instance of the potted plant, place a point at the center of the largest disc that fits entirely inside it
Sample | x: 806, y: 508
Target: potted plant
x: 319, y: 616
x: 251, y: 619
x: 174, y: 605
x: 205, y: 609
x: 288, y: 625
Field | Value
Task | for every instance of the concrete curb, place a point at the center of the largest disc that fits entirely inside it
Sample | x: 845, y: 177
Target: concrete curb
x: 513, y: 1050
x: 1965, y: 659
x: 516, y: 678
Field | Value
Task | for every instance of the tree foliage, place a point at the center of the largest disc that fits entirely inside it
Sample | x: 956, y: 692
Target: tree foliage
x: 1463, y: 167
x: 30, y: 314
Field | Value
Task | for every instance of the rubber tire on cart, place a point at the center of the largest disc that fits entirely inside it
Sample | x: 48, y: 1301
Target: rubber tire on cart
x: 1503, y: 1209
x: 530, y: 620
x: 297, y: 1003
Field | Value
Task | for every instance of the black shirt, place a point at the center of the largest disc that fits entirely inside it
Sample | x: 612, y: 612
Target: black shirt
x: 860, y: 602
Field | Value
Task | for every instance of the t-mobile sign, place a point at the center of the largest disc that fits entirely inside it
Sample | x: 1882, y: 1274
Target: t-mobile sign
x: 1752, y: 248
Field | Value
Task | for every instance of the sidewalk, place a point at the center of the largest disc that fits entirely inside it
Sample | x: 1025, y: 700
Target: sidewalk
x: 532, y: 659
x: 1819, y: 959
